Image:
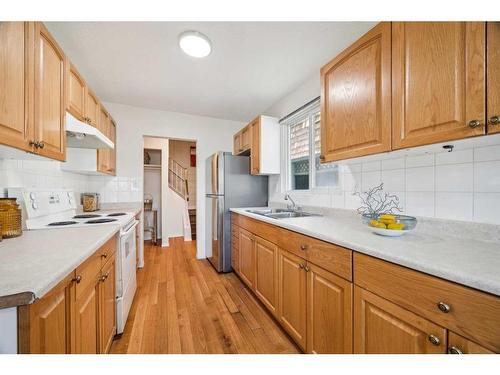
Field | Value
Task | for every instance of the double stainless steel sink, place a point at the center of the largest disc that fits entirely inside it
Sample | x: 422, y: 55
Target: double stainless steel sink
x: 281, y: 213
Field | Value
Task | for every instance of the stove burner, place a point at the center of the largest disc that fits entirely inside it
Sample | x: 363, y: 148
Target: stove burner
x: 86, y: 216
x: 117, y: 214
x: 59, y: 223
x: 99, y: 221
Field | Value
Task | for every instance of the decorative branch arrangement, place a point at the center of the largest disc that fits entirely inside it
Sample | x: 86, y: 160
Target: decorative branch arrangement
x: 375, y: 202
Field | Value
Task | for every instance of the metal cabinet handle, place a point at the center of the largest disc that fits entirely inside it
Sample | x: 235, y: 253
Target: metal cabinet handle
x: 494, y: 120
x: 301, y: 266
x: 77, y: 279
x: 444, y: 307
x: 434, y: 340
x: 306, y: 269
x: 304, y: 247
x: 104, y: 277
x: 33, y: 144
x: 105, y: 255
x: 474, y: 124
x: 41, y: 144
x: 455, y: 350
x: 322, y: 157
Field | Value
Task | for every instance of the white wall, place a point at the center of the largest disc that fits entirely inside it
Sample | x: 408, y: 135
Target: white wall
x: 133, y: 123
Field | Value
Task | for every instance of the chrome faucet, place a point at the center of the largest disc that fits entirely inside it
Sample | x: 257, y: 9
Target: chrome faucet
x: 293, y: 205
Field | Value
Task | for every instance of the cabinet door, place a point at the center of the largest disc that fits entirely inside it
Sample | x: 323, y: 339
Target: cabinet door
x: 292, y: 303
x: 237, y: 144
x: 460, y: 345
x: 16, y: 84
x: 493, y: 74
x: 381, y: 327
x: 438, y: 71
x: 50, y: 96
x: 329, y: 312
x: 45, y: 326
x: 107, y: 306
x: 92, y: 108
x: 356, y: 98
x: 246, y: 138
x: 76, y: 92
x: 86, y: 321
x: 247, y: 258
x: 104, y: 155
x: 266, y: 277
x: 255, y: 149
x: 112, y: 134
x: 235, y: 247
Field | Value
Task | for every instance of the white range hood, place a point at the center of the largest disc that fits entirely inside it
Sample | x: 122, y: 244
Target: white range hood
x: 82, y: 135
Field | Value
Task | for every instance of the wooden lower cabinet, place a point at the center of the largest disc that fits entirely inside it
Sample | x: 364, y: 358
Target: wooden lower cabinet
x: 45, y: 326
x: 382, y: 327
x: 107, y: 306
x: 87, y: 321
x: 292, y: 306
x: 247, y: 258
x: 266, y: 273
x: 460, y: 345
x: 329, y: 312
x: 78, y: 316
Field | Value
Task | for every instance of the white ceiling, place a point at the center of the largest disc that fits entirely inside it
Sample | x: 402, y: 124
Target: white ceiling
x: 252, y: 64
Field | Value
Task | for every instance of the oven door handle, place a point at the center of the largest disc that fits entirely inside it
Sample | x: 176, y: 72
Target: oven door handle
x: 129, y: 228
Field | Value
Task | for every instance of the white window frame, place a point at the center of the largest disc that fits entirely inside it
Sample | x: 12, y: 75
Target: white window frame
x: 308, y: 112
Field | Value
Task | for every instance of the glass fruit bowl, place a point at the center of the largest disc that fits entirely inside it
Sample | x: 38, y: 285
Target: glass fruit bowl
x: 390, y: 225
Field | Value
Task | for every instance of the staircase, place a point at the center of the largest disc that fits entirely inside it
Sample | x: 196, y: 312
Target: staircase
x: 192, y: 221
x: 177, y: 179
x: 178, y: 183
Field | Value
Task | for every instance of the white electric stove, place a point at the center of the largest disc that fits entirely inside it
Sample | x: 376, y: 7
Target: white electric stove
x: 56, y: 209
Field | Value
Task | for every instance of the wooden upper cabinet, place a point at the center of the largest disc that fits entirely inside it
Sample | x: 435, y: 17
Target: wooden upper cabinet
x: 247, y: 257
x: 112, y: 135
x: 266, y: 275
x: 237, y: 143
x: 45, y: 325
x: 255, y: 161
x: 93, y: 108
x: 493, y: 76
x: 381, y: 327
x: 329, y: 312
x: 356, y: 98
x: 246, y: 138
x: 292, y: 304
x: 438, y: 79
x: 76, y: 92
x: 16, y: 84
x: 107, y: 307
x: 50, y: 95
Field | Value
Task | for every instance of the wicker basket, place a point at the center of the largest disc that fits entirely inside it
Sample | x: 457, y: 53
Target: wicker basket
x: 10, y: 218
x: 148, y: 202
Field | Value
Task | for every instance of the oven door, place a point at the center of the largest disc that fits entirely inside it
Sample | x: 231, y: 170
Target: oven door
x: 126, y: 259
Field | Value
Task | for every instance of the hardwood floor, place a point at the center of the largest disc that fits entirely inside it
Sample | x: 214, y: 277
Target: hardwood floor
x: 182, y: 305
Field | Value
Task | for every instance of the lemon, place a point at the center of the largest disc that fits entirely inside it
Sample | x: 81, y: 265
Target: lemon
x: 387, y: 219
x: 396, y: 226
x: 377, y: 224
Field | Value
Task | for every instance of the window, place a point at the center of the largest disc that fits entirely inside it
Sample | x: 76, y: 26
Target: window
x: 303, y: 140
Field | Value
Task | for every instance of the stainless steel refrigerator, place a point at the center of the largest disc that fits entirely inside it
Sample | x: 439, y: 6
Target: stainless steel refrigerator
x: 228, y: 185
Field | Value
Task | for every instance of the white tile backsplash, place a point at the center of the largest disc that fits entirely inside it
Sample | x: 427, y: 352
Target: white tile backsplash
x: 48, y: 174
x: 459, y: 185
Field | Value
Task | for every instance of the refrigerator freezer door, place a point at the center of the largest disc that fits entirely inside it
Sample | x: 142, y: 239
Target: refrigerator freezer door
x: 215, y: 174
x: 215, y: 231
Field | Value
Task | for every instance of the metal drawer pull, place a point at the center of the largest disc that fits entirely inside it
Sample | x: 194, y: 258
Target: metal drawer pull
x: 494, y: 120
x: 304, y: 247
x: 444, y: 307
x: 306, y: 269
x: 105, y: 255
x: 474, y: 124
x: 301, y: 266
x: 434, y: 340
x: 77, y: 279
x: 455, y: 350
x: 104, y: 277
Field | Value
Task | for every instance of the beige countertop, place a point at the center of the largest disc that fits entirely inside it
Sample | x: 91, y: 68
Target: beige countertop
x: 31, y: 265
x: 435, y: 251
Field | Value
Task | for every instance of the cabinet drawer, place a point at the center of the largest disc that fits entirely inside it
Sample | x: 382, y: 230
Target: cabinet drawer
x: 331, y: 257
x: 107, y: 251
x: 471, y: 313
x: 88, y: 273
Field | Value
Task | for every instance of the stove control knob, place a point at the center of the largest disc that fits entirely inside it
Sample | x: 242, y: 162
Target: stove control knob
x: 34, y: 205
x: 32, y: 196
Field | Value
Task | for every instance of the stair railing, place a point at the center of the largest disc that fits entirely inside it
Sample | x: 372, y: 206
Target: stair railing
x: 178, y: 179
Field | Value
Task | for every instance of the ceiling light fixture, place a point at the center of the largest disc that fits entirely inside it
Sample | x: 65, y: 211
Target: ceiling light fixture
x: 195, y: 44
